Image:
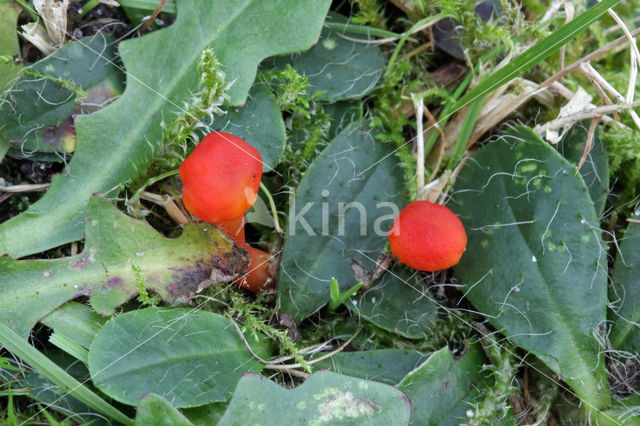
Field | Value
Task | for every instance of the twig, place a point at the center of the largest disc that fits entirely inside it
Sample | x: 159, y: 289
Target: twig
x: 627, y: 34
x: 434, y: 123
x: 25, y: 188
x: 417, y: 50
x: 153, y: 16
x: 4, y: 197
x: 389, y: 39
x: 588, y: 69
x: 601, y: 92
x: 301, y: 352
x: 589, y: 143
x: 314, y: 361
x: 574, y: 66
x: 586, y: 114
x: 246, y: 344
x: 418, y: 106
x: 168, y: 204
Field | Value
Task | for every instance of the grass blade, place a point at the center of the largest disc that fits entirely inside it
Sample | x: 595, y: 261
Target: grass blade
x: 23, y: 350
x: 535, y: 54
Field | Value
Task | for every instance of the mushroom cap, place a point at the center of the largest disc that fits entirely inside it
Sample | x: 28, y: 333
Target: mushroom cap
x: 221, y: 178
x: 427, y: 236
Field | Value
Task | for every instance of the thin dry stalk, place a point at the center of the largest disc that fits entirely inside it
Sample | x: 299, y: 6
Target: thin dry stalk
x: 154, y: 15
x: 587, y: 69
x: 589, y: 143
x: 340, y: 348
x: 25, y: 188
x: 418, y: 106
x: 168, y: 204
x: 587, y: 113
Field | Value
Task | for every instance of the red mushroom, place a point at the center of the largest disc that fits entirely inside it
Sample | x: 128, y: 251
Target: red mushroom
x: 221, y: 179
x: 427, y: 236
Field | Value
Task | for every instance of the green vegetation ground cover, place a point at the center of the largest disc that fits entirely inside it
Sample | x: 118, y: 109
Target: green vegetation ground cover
x: 118, y: 307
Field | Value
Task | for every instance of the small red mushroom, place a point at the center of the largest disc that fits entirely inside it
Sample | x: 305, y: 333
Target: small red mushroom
x: 427, y: 236
x: 221, y: 179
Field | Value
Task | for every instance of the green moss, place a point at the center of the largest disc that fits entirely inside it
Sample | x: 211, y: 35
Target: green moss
x: 369, y: 12
x: 179, y: 136
x: 623, y: 154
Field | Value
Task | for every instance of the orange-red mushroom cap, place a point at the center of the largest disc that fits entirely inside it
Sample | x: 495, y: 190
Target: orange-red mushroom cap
x: 427, y: 236
x: 221, y: 178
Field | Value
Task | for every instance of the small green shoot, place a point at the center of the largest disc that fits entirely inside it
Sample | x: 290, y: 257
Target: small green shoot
x: 338, y: 299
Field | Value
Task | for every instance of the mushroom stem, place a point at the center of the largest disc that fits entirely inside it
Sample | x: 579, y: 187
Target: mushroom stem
x: 260, y: 275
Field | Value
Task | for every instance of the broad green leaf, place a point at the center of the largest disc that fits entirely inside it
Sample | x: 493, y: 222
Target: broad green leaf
x: 118, y: 142
x: 187, y: 356
x: 119, y: 253
x: 535, y: 264
x: 324, y: 235
x: 258, y: 122
x: 442, y: 388
x: 156, y: 410
x: 38, y: 114
x: 384, y: 365
x: 338, y: 68
x: 595, y: 170
x: 9, y: 48
x: 76, y: 321
x: 341, y: 115
x: 625, y: 293
x: 400, y: 303
x: 324, y: 398
x: 206, y: 415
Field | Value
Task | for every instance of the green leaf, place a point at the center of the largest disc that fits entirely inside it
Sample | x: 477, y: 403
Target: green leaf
x: 189, y: 357
x: 258, y: 122
x: 442, y: 388
x: 9, y: 46
x: 76, y: 321
x: 38, y: 114
x: 625, y: 293
x: 595, y: 170
x: 324, y: 397
x: 156, y: 410
x: 206, y: 415
x: 118, y: 142
x: 400, y: 303
x: 341, y: 115
x: 535, y: 264
x: 338, y: 68
x: 116, y: 245
x: 383, y: 365
x: 353, y: 168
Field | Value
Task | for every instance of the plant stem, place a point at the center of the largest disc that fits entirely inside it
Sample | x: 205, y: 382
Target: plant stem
x: 153, y: 180
x: 272, y: 206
